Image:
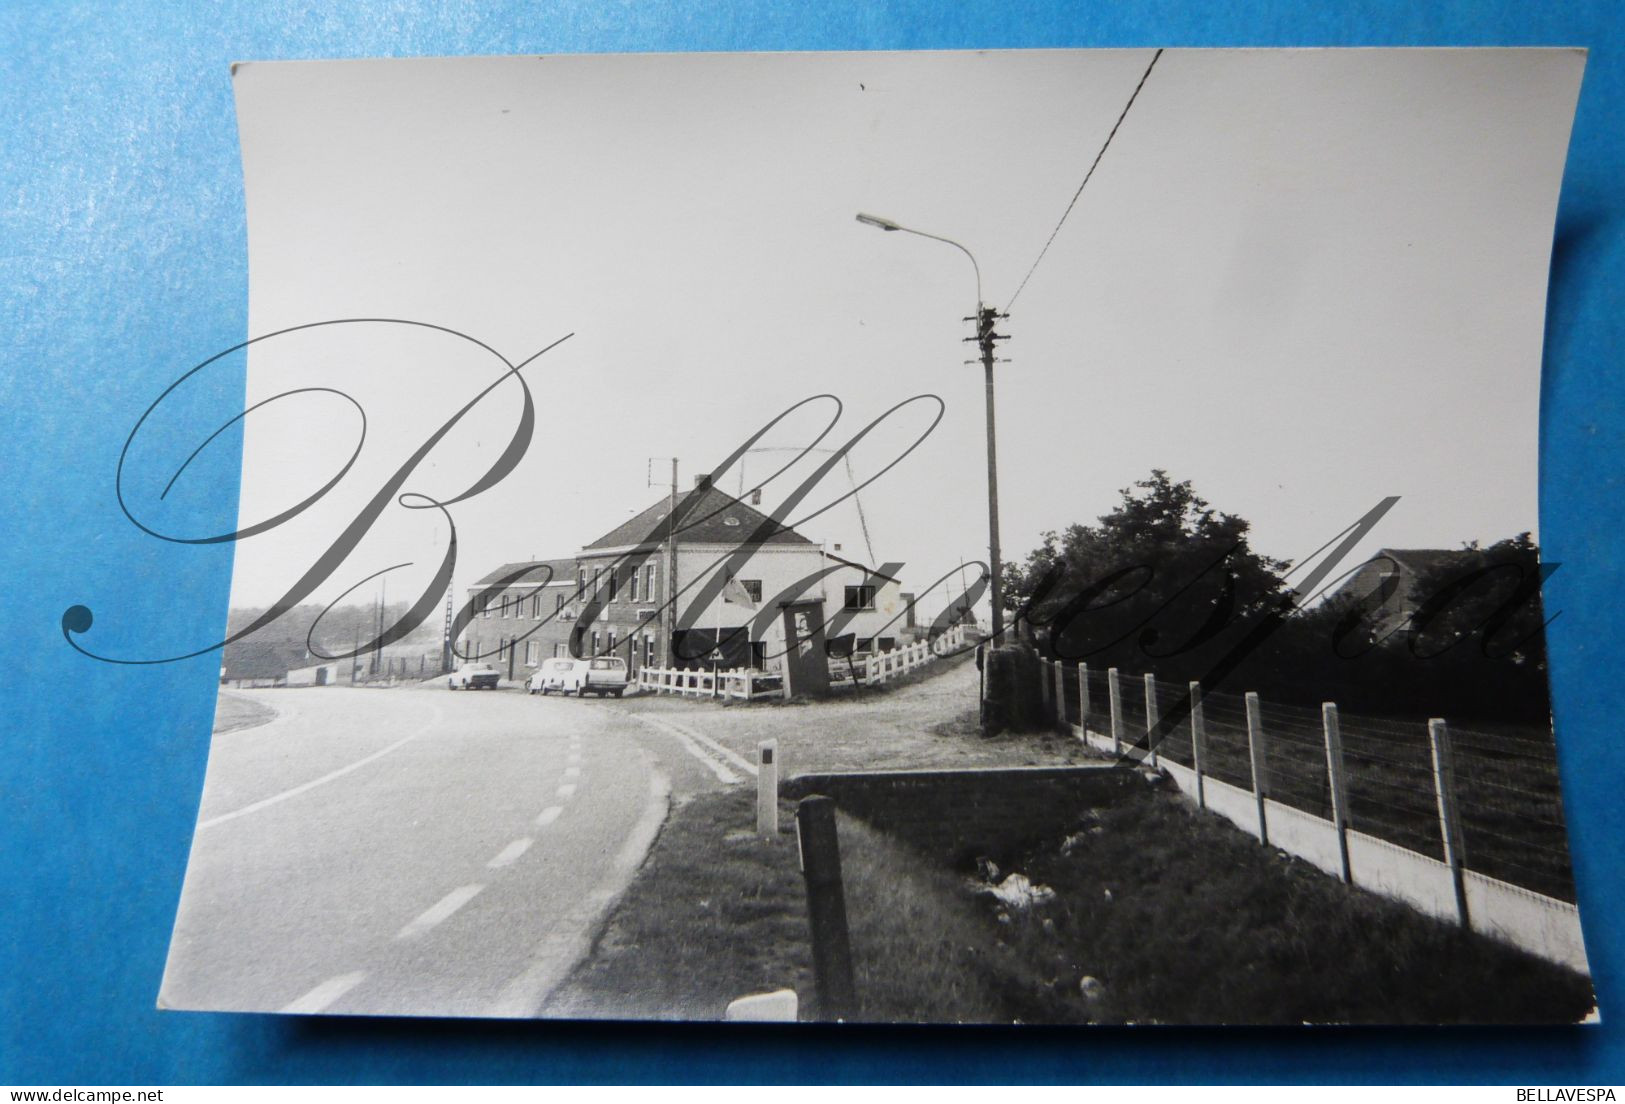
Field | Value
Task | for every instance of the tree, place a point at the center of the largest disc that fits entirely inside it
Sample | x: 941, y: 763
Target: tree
x: 1162, y: 581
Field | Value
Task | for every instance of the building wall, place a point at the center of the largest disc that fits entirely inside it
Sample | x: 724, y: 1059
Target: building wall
x: 523, y: 623
x: 628, y: 618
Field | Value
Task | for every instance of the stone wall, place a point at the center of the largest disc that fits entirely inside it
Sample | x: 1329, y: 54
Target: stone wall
x: 960, y: 814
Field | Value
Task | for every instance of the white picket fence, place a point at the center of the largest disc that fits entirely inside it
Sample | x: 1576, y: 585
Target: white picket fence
x: 737, y: 683
x: 747, y: 684
x: 882, y: 666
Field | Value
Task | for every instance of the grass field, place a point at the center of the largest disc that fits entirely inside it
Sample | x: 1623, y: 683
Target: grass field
x: 1507, y: 782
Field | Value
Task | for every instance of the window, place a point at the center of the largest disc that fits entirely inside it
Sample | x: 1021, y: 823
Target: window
x: 533, y: 652
x: 485, y: 605
x: 887, y: 643
x: 649, y: 582
x: 614, y: 578
x: 632, y: 586
x: 753, y: 587
x: 558, y: 603
x: 597, y: 581
x: 504, y: 606
x: 536, y: 607
x: 581, y: 582
x: 595, y: 642
x: 860, y: 597
x: 648, y: 649
x: 558, y: 650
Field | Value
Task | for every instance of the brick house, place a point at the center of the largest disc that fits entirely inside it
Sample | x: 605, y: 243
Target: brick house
x: 525, y: 623
x: 621, y: 580
x: 1395, y: 572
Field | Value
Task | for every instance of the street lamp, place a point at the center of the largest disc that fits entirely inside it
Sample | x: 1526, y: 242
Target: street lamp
x: 985, y: 337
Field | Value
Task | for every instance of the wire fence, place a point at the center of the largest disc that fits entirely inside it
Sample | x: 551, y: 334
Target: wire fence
x: 1505, y: 789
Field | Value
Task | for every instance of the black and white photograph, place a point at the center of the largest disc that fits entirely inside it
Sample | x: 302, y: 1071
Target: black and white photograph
x: 1042, y: 537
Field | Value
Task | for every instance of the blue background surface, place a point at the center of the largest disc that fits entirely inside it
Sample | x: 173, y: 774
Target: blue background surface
x: 124, y: 263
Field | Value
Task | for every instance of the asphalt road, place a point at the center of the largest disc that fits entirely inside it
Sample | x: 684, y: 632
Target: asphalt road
x: 419, y: 851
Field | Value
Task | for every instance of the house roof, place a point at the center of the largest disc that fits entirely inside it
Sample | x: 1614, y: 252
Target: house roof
x: 563, y: 572
x: 709, y: 516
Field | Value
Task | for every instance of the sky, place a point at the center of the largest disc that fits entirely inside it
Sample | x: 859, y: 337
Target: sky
x: 1304, y: 280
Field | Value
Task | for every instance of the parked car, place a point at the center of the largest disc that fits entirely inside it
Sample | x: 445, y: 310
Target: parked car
x: 553, y: 674
x: 474, y: 676
x: 602, y: 675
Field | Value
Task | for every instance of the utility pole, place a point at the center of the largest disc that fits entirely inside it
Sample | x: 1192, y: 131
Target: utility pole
x: 985, y: 339
x: 671, y: 569
x: 445, y: 635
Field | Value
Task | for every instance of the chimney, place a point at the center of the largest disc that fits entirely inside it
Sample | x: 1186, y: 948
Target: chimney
x: 702, y: 481
x: 756, y: 497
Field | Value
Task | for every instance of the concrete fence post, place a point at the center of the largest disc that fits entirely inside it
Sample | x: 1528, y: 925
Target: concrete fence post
x: 1151, y: 716
x: 1060, y: 694
x: 1114, y: 695
x: 1256, y: 753
x: 1198, y: 744
x: 1083, y: 700
x: 1338, y: 781
x: 1444, y: 785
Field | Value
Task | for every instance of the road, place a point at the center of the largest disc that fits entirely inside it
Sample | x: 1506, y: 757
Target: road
x: 419, y: 851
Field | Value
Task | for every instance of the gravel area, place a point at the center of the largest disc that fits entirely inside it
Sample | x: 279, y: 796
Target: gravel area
x: 929, y: 724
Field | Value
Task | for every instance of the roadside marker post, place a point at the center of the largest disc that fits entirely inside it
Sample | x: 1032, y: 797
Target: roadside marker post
x: 767, y: 791
x: 820, y: 853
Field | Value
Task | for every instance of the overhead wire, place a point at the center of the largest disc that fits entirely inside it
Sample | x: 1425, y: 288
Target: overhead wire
x: 1096, y: 164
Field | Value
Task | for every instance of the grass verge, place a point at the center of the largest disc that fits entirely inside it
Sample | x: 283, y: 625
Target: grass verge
x: 1161, y: 914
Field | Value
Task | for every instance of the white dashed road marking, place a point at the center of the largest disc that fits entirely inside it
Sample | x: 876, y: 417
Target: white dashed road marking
x: 510, y: 853
x: 439, y: 911
x: 319, y: 998
x: 549, y: 815
x: 557, y: 952
x: 572, y: 772
x: 567, y: 790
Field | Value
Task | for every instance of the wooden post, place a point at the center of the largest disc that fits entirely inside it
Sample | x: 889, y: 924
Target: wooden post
x: 1114, y: 694
x: 767, y: 791
x: 1151, y: 717
x: 820, y: 853
x: 1255, y: 752
x: 1083, y: 700
x: 1198, y: 744
x: 1444, y: 785
x: 1338, y: 781
x: 1060, y: 694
